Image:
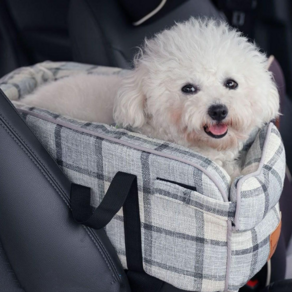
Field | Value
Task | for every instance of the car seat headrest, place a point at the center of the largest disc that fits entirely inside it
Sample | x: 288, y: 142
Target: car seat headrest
x: 141, y: 11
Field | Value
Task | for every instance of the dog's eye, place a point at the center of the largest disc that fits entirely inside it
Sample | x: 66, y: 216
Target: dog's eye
x: 189, y: 89
x: 230, y: 84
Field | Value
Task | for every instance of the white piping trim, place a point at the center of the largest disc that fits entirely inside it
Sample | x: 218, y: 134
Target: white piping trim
x: 149, y: 15
x: 269, y: 271
x: 229, y: 250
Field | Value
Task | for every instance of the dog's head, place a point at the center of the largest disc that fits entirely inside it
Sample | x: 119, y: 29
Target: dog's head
x: 200, y: 83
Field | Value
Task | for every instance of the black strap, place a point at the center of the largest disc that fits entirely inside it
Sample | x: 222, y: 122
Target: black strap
x: 112, y: 202
x: 138, y: 279
x: 132, y: 226
x: 123, y: 192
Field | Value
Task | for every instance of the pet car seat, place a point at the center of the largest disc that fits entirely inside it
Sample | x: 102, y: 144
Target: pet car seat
x: 197, y: 233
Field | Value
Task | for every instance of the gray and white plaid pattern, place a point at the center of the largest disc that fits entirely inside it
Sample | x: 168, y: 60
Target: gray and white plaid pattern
x: 258, y: 193
x: 187, y: 236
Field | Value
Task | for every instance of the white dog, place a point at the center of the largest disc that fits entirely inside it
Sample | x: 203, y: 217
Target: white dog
x: 200, y: 84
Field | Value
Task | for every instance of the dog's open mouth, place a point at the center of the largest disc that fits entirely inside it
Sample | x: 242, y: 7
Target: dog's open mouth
x: 216, y: 131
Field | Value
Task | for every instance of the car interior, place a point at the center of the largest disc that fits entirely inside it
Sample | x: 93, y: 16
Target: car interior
x: 109, y: 32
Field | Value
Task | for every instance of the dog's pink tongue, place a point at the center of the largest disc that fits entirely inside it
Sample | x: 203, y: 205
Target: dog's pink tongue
x: 218, y: 129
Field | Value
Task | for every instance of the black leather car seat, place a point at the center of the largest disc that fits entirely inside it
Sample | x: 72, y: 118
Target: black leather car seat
x: 42, y: 248
x: 103, y: 33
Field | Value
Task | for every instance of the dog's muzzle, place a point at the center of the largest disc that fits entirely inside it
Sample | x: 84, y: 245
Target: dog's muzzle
x: 216, y: 131
x: 217, y: 112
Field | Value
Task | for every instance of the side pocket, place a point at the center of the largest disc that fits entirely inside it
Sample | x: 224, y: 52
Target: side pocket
x: 179, y: 184
x: 250, y: 249
x: 184, y: 237
x: 257, y: 193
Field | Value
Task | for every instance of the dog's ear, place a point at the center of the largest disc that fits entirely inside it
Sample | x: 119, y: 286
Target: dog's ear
x: 273, y: 96
x: 130, y: 100
x: 273, y: 102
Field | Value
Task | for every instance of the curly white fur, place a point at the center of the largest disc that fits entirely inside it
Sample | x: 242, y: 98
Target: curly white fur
x: 149, y: 99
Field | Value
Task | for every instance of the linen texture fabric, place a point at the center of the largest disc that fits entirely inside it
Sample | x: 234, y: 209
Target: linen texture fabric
x: 199, y: 233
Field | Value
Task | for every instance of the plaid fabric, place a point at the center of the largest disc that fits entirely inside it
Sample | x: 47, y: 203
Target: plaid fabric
x: 24, y: 80
x: 250, y: 249
x: 256, y: 194
x: 187, y: 236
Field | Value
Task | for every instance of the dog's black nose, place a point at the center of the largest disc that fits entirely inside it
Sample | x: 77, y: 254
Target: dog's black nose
x: 218, y: 112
